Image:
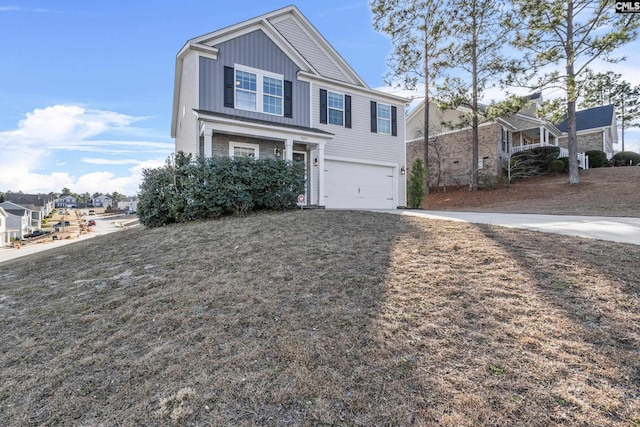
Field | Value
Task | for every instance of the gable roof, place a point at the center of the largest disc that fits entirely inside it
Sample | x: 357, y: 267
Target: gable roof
x: 29, y: 199
x: 292, y: 32
x: 592, y: 118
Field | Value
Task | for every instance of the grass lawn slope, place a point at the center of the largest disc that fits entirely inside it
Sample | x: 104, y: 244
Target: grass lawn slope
x: 329, y: 318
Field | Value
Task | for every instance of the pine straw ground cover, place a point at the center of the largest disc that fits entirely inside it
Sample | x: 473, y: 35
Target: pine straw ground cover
x: 322, y: 318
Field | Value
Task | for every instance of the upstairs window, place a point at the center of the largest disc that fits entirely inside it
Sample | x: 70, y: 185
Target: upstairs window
x: 272, y: 95
x: 256, y: 90
x: 336, y: 108
x: 384, y: 119
x: 246, y: 90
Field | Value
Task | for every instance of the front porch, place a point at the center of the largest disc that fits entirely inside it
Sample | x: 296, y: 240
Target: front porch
x: 514, y: 142
x: 221, y: 135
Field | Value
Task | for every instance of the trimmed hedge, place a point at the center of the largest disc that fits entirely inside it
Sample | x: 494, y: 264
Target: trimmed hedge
x: 597, y: 158
x: 186, y: 190
x: 626, y: 158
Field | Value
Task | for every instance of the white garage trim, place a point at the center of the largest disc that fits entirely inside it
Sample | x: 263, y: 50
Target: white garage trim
x: 378, y: 182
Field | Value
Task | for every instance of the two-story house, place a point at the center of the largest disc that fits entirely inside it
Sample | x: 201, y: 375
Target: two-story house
x: 102, y: 201
x: 4, y: 235
x: 272, y: 86
x: 18, y: 219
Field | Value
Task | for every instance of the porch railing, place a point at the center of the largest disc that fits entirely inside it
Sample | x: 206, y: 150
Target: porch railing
x: 583, y: 159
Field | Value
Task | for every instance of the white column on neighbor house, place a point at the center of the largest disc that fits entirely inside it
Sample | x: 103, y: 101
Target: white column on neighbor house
x: 208, y: 143
x: 321, y: 175
x: 542, y: 141
x: 288, y: 149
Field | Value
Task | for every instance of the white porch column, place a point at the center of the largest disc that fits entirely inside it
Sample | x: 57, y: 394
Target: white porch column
x: 321, y: 175
x: 208, y: 143
x: 288, y: 149
x: 542, y: 141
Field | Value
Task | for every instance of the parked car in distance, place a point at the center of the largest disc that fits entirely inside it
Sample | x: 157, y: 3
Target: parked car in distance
x: 92, y: 212
x: 36, y: 233
x: 91, y: 223
x: 60, y: 224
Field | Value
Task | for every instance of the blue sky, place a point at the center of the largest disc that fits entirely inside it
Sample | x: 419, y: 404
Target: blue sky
x: 86, y: 86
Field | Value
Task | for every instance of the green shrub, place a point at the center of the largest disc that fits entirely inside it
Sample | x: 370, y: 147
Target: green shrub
x: 565, y: 160
x: 417, y: 185
x: 557, y: 166
x: 626, y: 158
x: 185, y: 190
x: 597, y: 158
x: 488, y: 182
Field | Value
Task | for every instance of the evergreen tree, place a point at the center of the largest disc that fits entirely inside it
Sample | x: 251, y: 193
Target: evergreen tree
x: 572, y: 32
x: 418, y: 31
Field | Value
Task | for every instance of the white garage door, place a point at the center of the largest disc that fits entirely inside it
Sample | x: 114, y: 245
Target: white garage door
x: 358, y: 186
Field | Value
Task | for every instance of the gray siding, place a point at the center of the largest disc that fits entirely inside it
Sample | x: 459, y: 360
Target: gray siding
x: 310, y: 50
x: 359, y: 143
x: 254, y: 50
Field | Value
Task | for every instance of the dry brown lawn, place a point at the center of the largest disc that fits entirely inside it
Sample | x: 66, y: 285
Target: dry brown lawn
x: 322, y: 318
x: 603, y: 191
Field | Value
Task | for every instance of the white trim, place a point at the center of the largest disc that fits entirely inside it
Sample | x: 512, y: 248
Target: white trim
x: 363, y: 161
x: 372, y: 93
x: 204, y: 50
x: 255, y: 147
x: 260, y: 130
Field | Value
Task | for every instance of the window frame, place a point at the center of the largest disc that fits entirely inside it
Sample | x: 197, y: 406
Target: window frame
x: 260, y: 93
x: 234, y: 144
x: 378, y: 118
x: 329, y: 108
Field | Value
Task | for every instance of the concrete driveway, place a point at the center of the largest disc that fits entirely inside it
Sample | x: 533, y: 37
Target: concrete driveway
x: 615, y: 229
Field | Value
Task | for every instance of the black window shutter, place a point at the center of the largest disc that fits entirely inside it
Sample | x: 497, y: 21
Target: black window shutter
x: 394, y: 121
x: 288, y: 99
x: 374, y: 117
x: 228, y: 86
x: 323, y: 106
x: 347, y: 111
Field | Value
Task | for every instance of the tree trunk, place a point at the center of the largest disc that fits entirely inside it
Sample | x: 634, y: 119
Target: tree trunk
x: 572, y: 140
x: 474, y: 107
x: 426, y: 107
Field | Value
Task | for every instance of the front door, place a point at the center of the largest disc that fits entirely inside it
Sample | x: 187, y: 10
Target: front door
x: 301, y: 156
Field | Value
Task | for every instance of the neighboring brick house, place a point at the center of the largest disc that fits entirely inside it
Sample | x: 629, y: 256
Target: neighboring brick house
x: 450, y: 148
x: 596, y: 128
x: 272, y: 86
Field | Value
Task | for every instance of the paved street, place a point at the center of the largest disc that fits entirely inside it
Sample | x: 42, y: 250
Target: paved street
x: 104, y: 225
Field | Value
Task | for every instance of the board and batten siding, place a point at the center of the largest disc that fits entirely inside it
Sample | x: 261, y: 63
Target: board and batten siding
x: 254, y: 50
x: 310, y: 50
x: 186, y: 126
x: 358, y: 143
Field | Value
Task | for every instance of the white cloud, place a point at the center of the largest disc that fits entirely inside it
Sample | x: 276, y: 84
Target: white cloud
x: 95, y: 161
x: 55, y: 137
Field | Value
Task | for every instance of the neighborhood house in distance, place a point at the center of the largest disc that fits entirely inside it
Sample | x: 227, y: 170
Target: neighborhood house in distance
x: 272, y: 86
x: 450, y: 147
